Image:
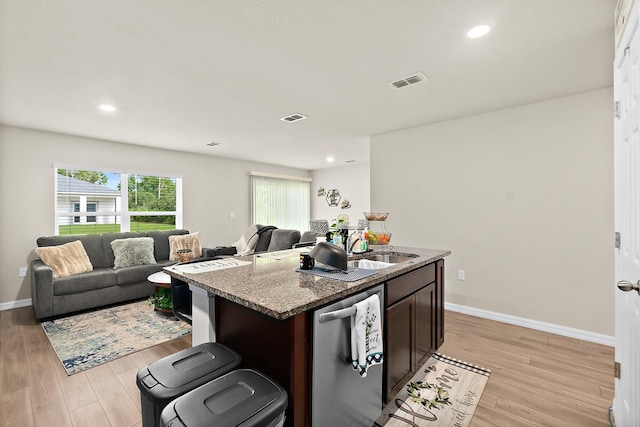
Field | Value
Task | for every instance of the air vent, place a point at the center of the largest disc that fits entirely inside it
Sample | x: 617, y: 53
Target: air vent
x: 409, y: 80
x: 293, y: 117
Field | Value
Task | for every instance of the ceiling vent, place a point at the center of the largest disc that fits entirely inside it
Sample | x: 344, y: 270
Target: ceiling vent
x: 409, y: 80
x: 293, y: 118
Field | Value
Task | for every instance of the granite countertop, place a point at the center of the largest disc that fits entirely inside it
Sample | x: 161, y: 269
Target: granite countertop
x: 273, y: 287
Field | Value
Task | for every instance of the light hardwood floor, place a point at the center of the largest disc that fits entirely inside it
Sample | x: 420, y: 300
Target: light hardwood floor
x: 537, y: 378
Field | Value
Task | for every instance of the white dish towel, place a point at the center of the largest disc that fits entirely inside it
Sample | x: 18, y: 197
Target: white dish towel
x: 366, y: 335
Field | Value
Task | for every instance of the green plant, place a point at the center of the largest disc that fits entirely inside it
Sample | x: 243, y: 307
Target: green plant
x: 161, y: 299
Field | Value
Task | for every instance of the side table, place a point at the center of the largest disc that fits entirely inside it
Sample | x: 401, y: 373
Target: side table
x: 161, y: 280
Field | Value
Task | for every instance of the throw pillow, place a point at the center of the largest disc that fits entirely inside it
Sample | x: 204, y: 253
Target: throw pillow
x: 185, y: 241
x: 247, y: 243
x: 66, y: 260
x: 133, y: 251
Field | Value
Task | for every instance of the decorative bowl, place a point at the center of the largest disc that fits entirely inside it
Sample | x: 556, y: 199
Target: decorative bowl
x: 376, y: 216
x: 380, y: 238
x: 184, y: 255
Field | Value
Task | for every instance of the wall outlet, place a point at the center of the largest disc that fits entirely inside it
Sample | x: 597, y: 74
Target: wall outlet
x: 460, y: 274
x: 22, y: 272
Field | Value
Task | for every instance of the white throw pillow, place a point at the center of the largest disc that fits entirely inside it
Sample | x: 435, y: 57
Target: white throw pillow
x: 133, y: 251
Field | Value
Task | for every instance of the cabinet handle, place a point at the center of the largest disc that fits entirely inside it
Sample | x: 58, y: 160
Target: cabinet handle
x: 626, y: 286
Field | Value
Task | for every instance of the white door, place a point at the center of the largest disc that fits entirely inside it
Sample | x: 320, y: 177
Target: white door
x: 626, y: 405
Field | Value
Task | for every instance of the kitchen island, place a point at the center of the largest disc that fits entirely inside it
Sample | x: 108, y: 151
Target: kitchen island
x: 263, y: 309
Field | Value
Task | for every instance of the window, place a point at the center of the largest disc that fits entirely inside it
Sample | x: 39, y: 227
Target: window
x: 282, y: 201
x: 90, y: 207
x: 89, y: 201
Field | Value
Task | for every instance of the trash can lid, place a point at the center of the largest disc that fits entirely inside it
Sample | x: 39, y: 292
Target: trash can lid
x: 242, y: 396
x: 185, y: 370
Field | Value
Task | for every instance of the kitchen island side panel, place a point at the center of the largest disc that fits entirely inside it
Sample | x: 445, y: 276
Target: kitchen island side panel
x: 277, y: 348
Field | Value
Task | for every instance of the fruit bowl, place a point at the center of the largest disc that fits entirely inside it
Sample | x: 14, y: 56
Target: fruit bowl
x: 376, y: 216
x: 379, y: 238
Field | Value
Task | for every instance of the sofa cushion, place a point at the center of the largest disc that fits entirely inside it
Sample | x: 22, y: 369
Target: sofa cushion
x: 138, y: 273
x: 132, y: 251
x: 107, y: 238
x: 265, y: 238
x: 310, y: 236
x: 97, y: 279
x: 66, y: 260
x: 92, y: 244
x: 185, y: 241
x: 283, y: 239
x: 161, y: 242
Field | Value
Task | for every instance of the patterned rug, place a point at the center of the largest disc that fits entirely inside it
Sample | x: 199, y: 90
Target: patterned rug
x: 96, y: 337
x: 444, y: 392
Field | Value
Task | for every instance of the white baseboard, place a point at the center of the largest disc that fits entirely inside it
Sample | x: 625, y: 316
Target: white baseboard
x: 533, y: 324
x: 15, y: 304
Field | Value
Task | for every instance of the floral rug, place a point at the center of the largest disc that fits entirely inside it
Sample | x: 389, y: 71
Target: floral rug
x: 444, y: 392
x: 96, y: 337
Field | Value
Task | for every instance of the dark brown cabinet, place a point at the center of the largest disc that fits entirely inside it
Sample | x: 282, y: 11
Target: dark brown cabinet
x: 411, y: 325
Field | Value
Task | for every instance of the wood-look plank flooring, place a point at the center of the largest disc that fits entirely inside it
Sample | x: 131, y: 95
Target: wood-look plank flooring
x: 537, y: 379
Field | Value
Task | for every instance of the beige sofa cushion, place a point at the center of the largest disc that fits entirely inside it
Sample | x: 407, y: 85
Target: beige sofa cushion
x: 66, y: 260
x: 185, y: 241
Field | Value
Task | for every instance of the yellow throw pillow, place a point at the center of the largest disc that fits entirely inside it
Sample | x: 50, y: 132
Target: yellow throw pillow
x: 66, y: 260
x: 185, y: 241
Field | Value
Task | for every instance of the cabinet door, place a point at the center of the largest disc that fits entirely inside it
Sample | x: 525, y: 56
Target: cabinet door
x: 439, y: 327
x: 425, y: 324
x: 399, y: 338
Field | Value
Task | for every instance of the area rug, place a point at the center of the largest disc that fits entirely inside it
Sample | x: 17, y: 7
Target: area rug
x: 96, y: 337
x: 444, y: 392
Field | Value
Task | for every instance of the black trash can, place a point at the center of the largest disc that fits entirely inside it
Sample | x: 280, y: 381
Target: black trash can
x: 179, y: 373
x: 243, y: 397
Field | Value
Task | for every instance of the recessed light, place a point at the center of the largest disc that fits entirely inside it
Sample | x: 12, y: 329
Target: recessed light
x: 107, y: 108
x: 330, y: 159
x: 478, y: 31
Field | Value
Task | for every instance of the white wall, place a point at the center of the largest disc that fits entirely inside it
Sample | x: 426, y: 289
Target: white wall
x: 353, y: 183
x: 523, y: 198
x: 213, y: 187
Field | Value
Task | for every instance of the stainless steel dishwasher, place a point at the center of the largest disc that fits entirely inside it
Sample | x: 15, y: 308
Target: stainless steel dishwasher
x: 340, y: 397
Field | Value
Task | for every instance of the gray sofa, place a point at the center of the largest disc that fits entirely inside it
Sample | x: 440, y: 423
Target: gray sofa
x: 102, y: 286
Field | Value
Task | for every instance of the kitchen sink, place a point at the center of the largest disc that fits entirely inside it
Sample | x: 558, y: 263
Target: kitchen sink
x: 379, y: 261
x: 390, y: 258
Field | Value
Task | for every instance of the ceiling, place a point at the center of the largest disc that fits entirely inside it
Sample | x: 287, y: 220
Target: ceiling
x: 187, y: 73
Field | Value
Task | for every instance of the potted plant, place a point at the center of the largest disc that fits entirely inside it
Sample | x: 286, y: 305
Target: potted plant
x: 161, y: 300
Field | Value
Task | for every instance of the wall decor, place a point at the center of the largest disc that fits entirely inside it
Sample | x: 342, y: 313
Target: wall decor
x: 321, y: 192
x: 345, y: 204
x: 333, y: 197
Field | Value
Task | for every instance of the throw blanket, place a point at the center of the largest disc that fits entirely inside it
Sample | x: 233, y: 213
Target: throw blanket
x: 366, y: 335
x: 247, y: 243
